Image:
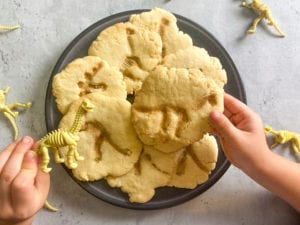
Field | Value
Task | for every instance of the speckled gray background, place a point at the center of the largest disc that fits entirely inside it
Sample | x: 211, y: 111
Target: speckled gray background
x: 269, y: 67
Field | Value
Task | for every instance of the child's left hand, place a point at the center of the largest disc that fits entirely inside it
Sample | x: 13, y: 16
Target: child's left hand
x: 23, y: 186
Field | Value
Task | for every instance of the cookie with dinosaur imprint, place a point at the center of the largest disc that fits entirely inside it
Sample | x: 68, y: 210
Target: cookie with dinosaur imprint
x: 83, y: 76
x: 195, y: 57
x: 195, y: 163
x: 133, y: 51
x: 163, y: 23
x: 189, y: 166
x: 108, y: 141
x: 171, y: 110
x: 185, y: 168
x: 140, y: 182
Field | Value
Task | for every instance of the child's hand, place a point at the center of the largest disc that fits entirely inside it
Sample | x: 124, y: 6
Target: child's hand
x: 241, y: 133
x: 243, y: 140
x: 23, y: 187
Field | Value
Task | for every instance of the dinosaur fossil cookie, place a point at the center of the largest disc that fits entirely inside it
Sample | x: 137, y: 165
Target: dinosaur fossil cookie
x: 141, y: 181
x: 165, y: 24
x: 171, y: 109
x: 195, y: 163
x: 189, y: 166
x: 185, y: 168
x: 165, y: 162
x: 86, y: 75
x: 133, y: 51
x: 195, y: 57
x: 108, y: 141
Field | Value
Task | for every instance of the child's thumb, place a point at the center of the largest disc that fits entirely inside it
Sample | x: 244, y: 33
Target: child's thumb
x: 222, y: 125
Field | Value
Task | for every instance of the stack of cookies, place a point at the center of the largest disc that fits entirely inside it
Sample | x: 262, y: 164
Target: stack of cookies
x: 161, y: 136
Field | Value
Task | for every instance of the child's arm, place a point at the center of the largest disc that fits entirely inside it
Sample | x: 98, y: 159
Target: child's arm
x: 243, y: 140
x: 23, y: 187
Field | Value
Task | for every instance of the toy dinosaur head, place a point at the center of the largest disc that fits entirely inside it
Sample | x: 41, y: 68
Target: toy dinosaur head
x: 256, y: 3
x: 2, y: 95
x: 268, y: 129
x: 87, y: 105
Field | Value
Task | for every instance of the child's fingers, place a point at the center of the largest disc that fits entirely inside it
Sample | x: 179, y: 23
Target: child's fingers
x: 42, y: 183
x: 233, y: 103
x: 222, y: 125
x: 14, y: 162
x: 26, y: 177
x: 26, y: 187
x: 233, y: 106
x: 5, y: 154
x: 235, y: 110
x: 42, y: 180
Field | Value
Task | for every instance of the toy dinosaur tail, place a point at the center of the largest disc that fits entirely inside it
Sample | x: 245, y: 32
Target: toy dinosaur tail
x: 9, y: 27
x: 13, y: 123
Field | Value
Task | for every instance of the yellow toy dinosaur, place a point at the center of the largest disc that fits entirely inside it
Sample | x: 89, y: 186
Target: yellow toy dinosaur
x: 8, y: 112
x: 62, y: 138
x: 283, y: 136
x: 263, y: 12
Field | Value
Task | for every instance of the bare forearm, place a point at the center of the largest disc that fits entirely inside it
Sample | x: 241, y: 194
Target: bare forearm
x: 279, y: 175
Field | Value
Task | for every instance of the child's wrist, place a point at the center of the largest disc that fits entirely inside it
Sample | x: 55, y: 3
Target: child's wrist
x: 259, y: 163
x: 23, y: 222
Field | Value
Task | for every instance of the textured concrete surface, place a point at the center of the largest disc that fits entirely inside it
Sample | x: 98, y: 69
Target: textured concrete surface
x: 269, y: 67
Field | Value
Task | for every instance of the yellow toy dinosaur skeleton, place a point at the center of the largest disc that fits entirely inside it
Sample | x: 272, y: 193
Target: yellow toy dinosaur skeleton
x: 8, y: 112
x: 61, y: 138
x: 283, y: 136
x: 263, y: 12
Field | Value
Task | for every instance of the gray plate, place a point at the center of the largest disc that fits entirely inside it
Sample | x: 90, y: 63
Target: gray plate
x: 165, y: 196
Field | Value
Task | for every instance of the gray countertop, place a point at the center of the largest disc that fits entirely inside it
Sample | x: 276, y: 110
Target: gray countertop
x: 269, y: 67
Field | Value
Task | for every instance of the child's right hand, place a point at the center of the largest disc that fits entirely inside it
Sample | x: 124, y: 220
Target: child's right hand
x: 241, y: 133
x: 243, y: 140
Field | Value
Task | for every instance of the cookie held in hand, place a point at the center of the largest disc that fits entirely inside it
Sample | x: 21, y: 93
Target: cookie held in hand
x: 171, y: 110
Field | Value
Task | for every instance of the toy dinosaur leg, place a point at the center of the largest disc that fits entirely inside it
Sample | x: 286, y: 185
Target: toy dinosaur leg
x: 56, y: 155
x: 77, y: 156
x: 271, y: 22
x: 254, y: 25
x: 13, y: 123
x: 274, y: 145
x: 6, y: 90
x: 70, y: 157
x: 48, y: 206
x: 45, y: 159
x: 296, y: 146
x: 282, y: 34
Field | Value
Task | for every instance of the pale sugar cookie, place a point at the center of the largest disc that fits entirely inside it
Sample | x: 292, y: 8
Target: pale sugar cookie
x: 108, y: 141
x: 83, y: 76
x: 165, y: 24
x: 140, y: 183
x: 133, y: 51
x: 197, y: 58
